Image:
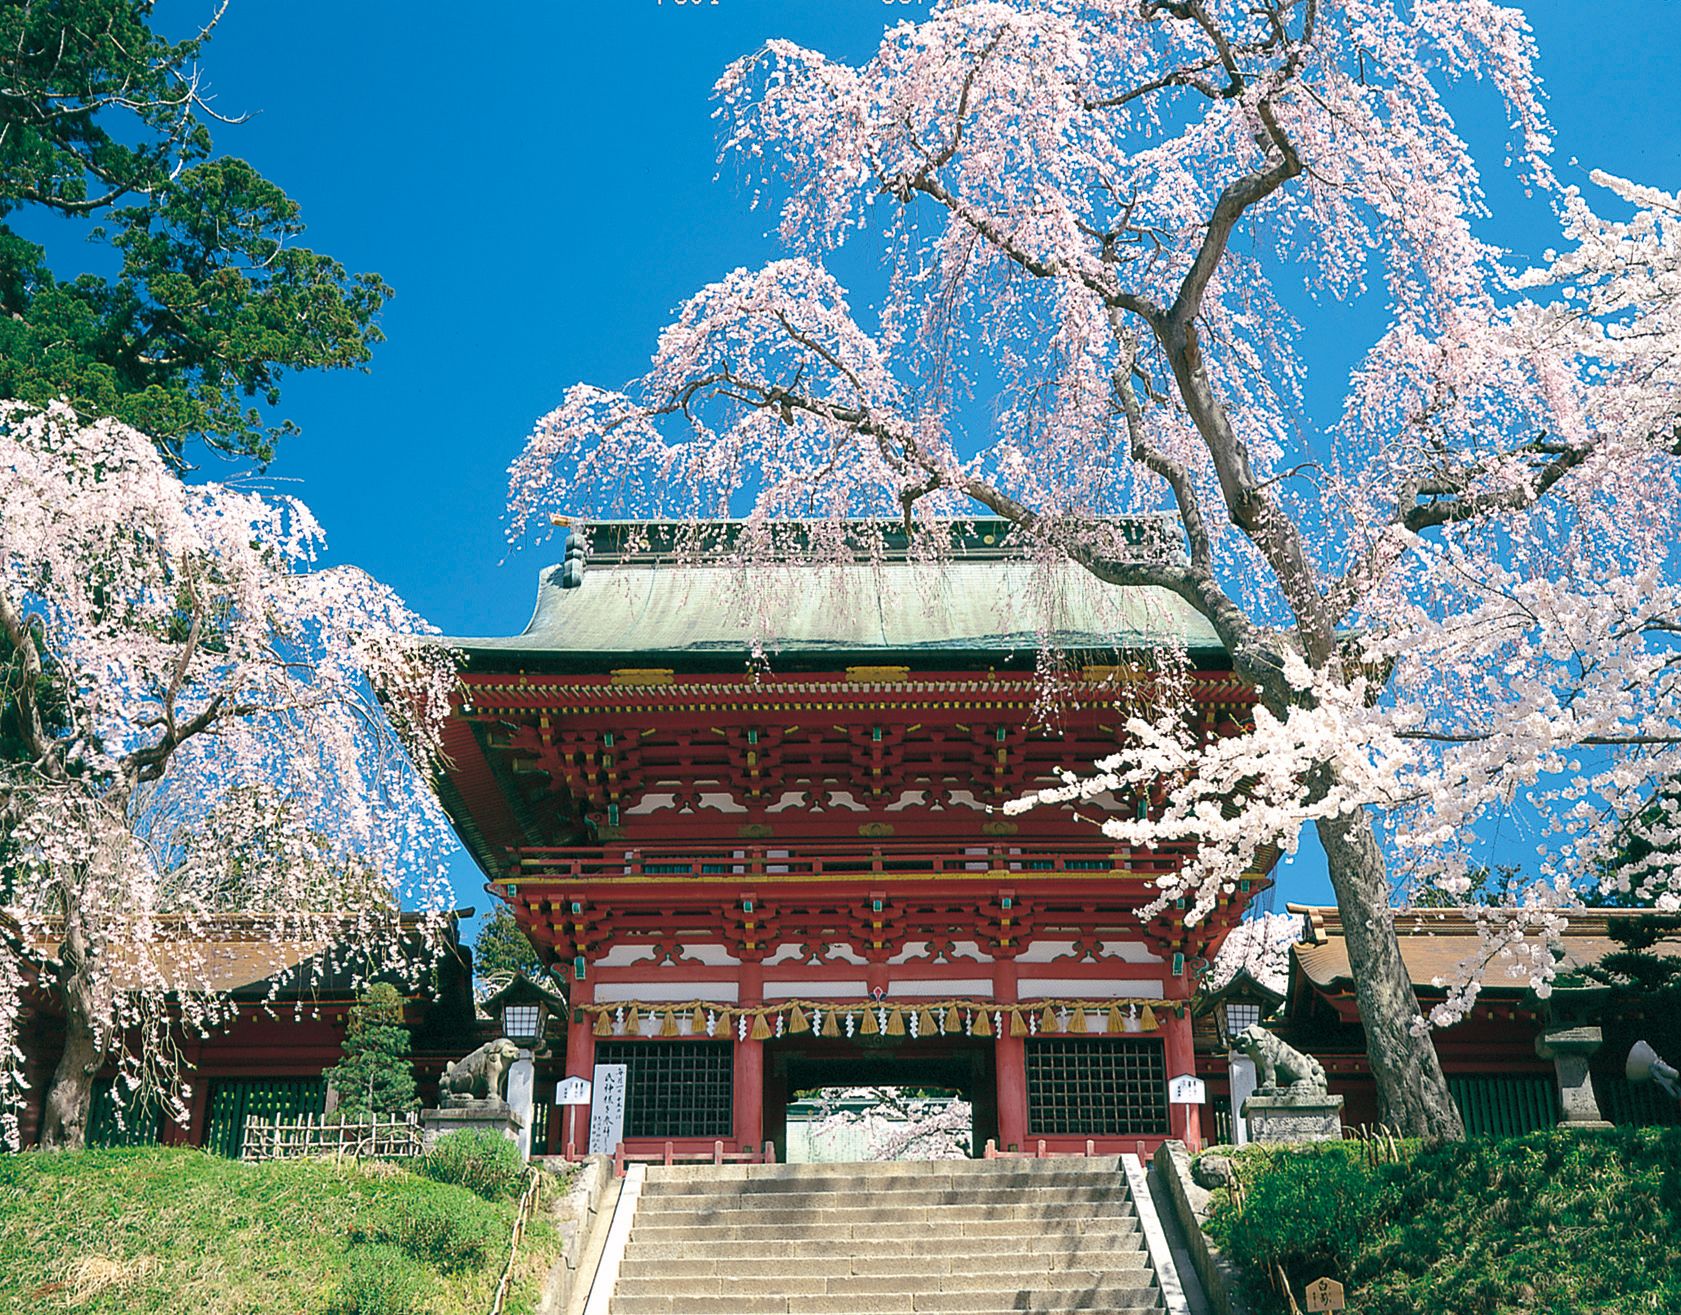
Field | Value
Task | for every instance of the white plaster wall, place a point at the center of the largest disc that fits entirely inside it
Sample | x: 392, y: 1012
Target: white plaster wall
x: 722, y: 991
x: 1089, y: 988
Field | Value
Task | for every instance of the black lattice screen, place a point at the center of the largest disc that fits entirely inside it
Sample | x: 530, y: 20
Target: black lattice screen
x: 1097, y: 1086
x: 674, y: 1088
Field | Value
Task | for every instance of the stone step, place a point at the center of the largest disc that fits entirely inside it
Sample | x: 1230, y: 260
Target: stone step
x: 1059, y: 1214
x: 931, y: 1194
x: 1068, y: 1165
x: 930, y: 1262
x: 865, y: 1223
x: 805, y: 1283
x: 780, y: 1250
x: 1114, y: 1299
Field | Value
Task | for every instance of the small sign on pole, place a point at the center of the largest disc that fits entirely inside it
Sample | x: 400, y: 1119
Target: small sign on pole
x: 1187, y: 1090
x: 572, y: 1091
x: 1324, y: 1294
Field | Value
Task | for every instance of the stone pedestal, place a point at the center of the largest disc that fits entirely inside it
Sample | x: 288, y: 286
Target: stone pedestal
x: 1570, y: 1048
x: 1293, y: 1118
x: 490, y: 1115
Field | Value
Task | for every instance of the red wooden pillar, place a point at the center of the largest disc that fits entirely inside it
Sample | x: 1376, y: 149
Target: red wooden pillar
x: 1186, y: 1120
x: 749, y: 1068
x: 580, y: 1063
x: 1010, y: 1064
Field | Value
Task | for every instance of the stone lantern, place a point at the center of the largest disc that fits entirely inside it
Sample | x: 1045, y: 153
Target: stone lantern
x: 1242, y: 1002
x: 523, y: 1009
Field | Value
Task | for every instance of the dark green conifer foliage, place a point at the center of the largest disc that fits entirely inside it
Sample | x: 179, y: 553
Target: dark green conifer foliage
x: 196, y: 294
x: 1643, y: 971
x: 375, y: 1076
x: 503, y: 948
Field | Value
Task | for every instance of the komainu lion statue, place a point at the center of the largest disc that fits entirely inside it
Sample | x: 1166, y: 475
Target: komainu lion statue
x: 1282, y: 1070
x: 482, y: 1075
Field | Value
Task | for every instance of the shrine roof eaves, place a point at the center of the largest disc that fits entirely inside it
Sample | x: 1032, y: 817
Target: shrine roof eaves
x: 1437, y: 943
x: 966, y: 605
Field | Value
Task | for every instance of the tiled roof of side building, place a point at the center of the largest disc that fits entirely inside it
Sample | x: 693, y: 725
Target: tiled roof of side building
x: 650, y: 598
x: 1435, y: 943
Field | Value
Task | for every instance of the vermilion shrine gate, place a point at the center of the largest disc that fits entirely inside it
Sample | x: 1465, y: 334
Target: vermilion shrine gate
x: 759, y: 877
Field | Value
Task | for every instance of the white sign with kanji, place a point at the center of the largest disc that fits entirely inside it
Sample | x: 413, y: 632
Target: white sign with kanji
x: 1187, y: 1090
x: 607, y: 1110
x: 572, y: 1091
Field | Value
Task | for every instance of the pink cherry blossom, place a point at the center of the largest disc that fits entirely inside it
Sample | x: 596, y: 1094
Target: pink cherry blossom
x: 212, y: 725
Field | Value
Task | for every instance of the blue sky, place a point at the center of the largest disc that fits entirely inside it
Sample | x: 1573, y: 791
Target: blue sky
x: 537, y: 181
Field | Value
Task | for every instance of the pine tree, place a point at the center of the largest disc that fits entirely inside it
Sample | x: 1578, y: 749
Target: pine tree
x: 502, y: 948
x: 375, y: 1075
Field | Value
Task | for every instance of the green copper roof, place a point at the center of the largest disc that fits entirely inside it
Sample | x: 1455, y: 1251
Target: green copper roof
x: 649, y: 604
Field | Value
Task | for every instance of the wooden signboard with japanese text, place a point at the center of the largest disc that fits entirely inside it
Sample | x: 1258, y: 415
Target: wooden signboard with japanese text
x: 607, y: 1109
x: 1324, y: 1294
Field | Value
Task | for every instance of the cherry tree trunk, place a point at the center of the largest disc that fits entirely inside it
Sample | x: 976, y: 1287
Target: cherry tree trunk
x: 1413, y: 1096
x: 64, y: 1121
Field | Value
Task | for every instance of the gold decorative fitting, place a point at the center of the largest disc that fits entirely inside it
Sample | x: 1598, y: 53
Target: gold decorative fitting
x: 1099, y: 674
x: 642, y: 675
x: 878, y: 675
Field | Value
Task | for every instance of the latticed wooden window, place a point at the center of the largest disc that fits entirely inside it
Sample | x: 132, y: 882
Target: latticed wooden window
x: 1097, y: 1086
x: 674, y: 1088
x: 1504, y: 1104
x: 140, y: 1124
x: 231, y: 1103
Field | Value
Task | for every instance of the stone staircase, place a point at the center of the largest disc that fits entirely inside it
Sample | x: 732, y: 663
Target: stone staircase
x: 968, y: 1237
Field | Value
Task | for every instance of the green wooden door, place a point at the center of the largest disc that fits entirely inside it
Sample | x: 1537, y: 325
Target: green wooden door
x: 140, y: 1123
x: 1504, y: 1104
x: 231, y: 1103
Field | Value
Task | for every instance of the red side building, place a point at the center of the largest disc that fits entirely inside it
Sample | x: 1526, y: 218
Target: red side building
x: 753, y: 815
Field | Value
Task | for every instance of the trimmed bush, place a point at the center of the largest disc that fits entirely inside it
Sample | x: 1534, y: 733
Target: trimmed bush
x: 383, y: 1280
x: 1560, y: 1222
x: 482, y: 1162
x: 1313, y: 1218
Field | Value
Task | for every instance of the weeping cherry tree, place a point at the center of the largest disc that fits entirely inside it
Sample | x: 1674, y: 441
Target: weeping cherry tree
x: 202, y: 729
x: 1112, y: 233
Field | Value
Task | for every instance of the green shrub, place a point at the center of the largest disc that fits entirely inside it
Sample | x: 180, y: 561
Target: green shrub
x: 1313, y: 1217
x: 383, y: 1280
x: 450, y: 1236
x: 1561, y: 1222
x: 482, y: 1162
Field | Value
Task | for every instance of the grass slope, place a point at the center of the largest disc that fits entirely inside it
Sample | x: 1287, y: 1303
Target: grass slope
x: 1554, y: 1223
x: 158, y: 1231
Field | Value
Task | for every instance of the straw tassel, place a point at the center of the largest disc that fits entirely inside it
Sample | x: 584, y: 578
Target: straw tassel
x: 697, y: 1022
x: 1047, y: 1020
x: 895, y: 1022
x: 983, y: 1024
x: 761, y: 1028
x: 952, y: 1022
x: 633, y: 1022
x: 1149, y: 1019
x: 669, y: 1026
x: 1018, y: 1024
x: 924, y: 1022
x: 870, y: 1024
x: 1115, y: 1022
x: 831, y: 1022
x: 603, y: 1023
x: 797, y: 1021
